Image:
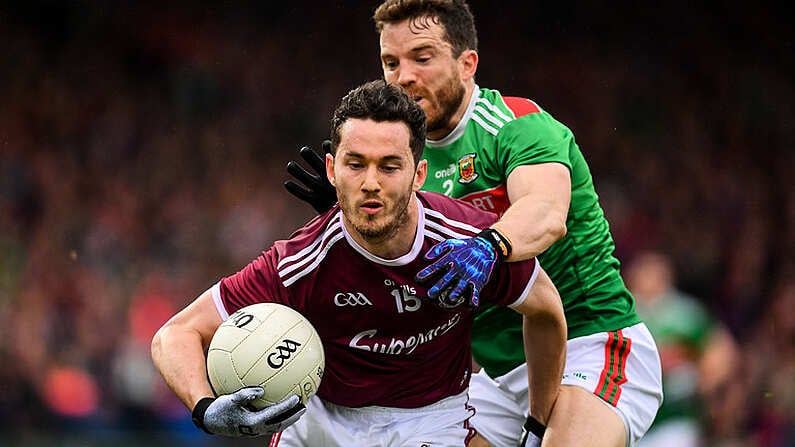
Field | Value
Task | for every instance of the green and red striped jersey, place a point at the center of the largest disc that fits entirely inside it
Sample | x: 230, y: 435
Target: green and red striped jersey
x: 497, y: 134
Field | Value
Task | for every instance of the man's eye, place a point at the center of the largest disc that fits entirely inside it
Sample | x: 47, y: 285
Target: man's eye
x: 423, y: 60
x: 390, y: 168
x: 390, y: 64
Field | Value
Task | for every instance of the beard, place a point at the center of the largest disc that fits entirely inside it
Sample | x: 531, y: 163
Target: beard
x: 448, y: 99
x: 367, y: 226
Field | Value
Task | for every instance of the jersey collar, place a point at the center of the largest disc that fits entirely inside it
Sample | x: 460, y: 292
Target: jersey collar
x: 416, y: 247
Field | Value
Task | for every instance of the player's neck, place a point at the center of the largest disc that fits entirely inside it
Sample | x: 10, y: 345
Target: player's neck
x: 397, y: 243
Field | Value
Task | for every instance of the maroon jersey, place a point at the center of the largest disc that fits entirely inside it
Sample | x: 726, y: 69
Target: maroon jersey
x: 384, y: 344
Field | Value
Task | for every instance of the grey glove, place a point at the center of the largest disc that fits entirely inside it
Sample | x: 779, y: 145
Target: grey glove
x: 532, y: 432
x: 231, y: 415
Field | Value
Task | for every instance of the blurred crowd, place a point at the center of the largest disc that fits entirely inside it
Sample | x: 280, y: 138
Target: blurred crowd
x: 142, y: 155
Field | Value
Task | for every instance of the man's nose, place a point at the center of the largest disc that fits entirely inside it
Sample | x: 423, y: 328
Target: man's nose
x: 405, y: 76
x: 371, y: 181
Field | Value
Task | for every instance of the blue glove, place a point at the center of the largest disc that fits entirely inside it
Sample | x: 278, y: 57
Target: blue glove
x: 466, y: 266
x: 532, y: 433
x: 230, y: 414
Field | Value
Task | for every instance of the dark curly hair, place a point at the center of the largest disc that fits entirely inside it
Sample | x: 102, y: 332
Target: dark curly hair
x: 453, y: 15
x: 381, y: 101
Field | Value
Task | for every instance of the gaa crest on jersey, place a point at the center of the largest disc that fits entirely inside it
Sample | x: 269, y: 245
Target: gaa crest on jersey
x: 466, y: 168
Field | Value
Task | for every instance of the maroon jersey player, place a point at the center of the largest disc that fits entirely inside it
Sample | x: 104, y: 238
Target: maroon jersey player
x: 397, y: 365
x: 375, y: 328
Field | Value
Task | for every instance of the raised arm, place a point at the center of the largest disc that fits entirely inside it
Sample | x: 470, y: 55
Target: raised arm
x: 540, y: 196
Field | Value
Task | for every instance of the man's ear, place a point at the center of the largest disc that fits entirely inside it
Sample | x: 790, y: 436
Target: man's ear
x: 420, y: 175
x: 468, y: 64
x: 330, y: 169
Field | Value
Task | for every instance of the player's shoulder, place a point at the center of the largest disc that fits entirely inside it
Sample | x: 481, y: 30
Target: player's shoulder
x: 455, y: 214
x: 517, y: 105
x: 324, y: 229
x: 524, y: 116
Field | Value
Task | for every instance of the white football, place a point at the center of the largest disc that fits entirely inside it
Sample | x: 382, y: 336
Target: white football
x: 270, y: 345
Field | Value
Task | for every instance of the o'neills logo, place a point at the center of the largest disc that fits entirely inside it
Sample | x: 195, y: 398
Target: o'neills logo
x: 397, y: 346
x: 466, y: 168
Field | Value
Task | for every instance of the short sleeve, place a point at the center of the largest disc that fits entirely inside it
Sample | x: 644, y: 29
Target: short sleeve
x: 257, y: 282
x: 534, y: 139
x: 512, y: 282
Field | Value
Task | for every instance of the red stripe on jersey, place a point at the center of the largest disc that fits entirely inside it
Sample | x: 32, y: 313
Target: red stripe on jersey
x: 275, y: 439
x: 521, y: 106
x: 494, y: 200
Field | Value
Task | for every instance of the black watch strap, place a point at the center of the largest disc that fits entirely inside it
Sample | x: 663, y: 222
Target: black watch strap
x: 533, y: 426
x: 500, y: 243
x: 197, y: 415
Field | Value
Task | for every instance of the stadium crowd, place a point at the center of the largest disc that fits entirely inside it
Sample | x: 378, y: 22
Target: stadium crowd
x: 142, y: 150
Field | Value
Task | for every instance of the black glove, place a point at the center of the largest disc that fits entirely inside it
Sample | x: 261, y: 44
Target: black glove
x: 231, y: 415
x: 313, y: 189
x: 532, y: 432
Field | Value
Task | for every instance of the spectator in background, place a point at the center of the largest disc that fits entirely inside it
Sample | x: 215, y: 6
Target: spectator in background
x: 698, y: 354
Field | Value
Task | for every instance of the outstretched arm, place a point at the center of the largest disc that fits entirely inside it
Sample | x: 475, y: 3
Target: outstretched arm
x: 540, y: 196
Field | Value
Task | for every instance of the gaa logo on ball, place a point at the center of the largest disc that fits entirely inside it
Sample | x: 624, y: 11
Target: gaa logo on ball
x: 268, y: 345
x: 277, y: 359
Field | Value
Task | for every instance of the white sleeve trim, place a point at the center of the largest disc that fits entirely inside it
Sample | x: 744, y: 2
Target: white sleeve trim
x: 529, y: 286
x: 219, y: 305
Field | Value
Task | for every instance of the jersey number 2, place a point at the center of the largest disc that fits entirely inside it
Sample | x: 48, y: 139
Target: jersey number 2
x: 447, y: 186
